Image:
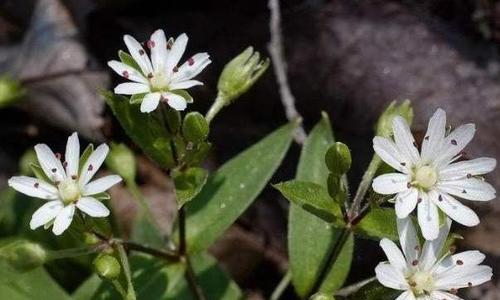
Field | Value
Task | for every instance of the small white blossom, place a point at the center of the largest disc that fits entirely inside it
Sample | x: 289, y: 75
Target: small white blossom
x: 432, y: 178
x: 427, y: 273
x: 67, y: 188
x: 159, y: 78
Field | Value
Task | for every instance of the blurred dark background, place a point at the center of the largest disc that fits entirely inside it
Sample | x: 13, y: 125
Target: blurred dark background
x: 348, y: 58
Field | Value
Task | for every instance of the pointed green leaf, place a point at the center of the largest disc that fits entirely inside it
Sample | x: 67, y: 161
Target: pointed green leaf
x: 373, y: 291
x: 144, y: 129
x: 188, y: 184
x: 39, y: 173
x: 379, y: 223
x: 340, y: 269
x: 233, y: 187
x: 128, y: 60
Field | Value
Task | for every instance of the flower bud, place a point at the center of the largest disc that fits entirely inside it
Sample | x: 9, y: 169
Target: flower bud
x: 90, y: 238
x: 240, y: 74
x: 107, y: 266
x: 10, y: 91
x: 195, y: 128
x: 322, y: 296
x: 121, y: 160
x: 23, y: 255
x: 338, y: 158
x: 384, y: 123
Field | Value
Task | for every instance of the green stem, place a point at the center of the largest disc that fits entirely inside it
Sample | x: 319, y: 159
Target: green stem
x: 191, y: 279
x: 128, y: 276
x: 182, y: 231
x: 219, y: 103
x: 73, y: 252
x: 165, y: 254
x: 281, y: 287
x: 364, y: 185
x: 120, y: 289
x: 351, y: 289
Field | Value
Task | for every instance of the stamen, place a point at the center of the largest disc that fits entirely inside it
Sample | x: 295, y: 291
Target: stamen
x: 150, y: 44
x: 36, y: 185
x: 459, y: 262
x: 464, y: 192
x: 415, y: 144
x: 125, y: 74
x: 175, y: 69
x: 419, y: 200
x: 190, y: 61
x: 426, y: 138
x: 440, y: 198
x: 150, y: 75
x: 57, y: 182
x: 74, y: 177
x: 469, y: 284
x: 414, y: 263
x: 469, y: 175
x: 454, y: 142
x: 453, y: 291
x: 170, y: 43
x: 90, y: 168
x: 403, y: 164
x: 141, y: 52
x: 408, y: 185
x: 65, y: 164
x: 58, y: 155
x: 453, y: 249
x: 54, y: 170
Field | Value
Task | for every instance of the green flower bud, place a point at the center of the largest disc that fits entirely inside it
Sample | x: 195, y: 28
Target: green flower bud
x: 384, y: 123
x: 26, y: 161
x: 322, y: 296
x: 23, y: 255
x: 338, y: 158
x: 107, y: 266
x: 121, y: 160
x: 90, y: 238
x: 240, y: 74
x: 195, y: 128
x: 10, y: 91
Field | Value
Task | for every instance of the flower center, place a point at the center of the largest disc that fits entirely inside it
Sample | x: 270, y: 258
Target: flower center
x: 159, y: 81
x: 421, y: 283
x: 69, y: 191
x: 426, y: 177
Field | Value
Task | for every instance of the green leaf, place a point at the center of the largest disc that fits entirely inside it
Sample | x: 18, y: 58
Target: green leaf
x: 233, y: 187
x: 128, y: 60
x: 145, y: 232
x: 36, y: 284
x: 340, y: 268
x: 137, y: 98
x: 313, y: 198
x: 379, y: 223
x: 374, y: 291
x: 88, y: 288
x: 310, y: 239
x: 145, y: 130
x: 39, y: 173
x: 188, y: 184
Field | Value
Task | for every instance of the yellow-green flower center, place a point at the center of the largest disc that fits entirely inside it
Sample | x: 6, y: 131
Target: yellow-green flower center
x: 69, y: 191
x: 425, y: 177
x: 158, y: 81
x: 421, y: 283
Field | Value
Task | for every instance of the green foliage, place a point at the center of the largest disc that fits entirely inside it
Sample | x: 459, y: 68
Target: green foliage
x: 338, y: 158
x: 147, y: 132
x: 121, y: 160
x: 311, y: 239
x: 10, y: 91
x: 340, y: 268
x: 379, y: 223
x: 128, y: 60
x: 233, y: 187
x: 313, y: 198
x: 322, y: 296
x: 374, y: 291
x: 384, y: 123
x: 23, y: 255
x: 188, y: 184
x: 195, y: 128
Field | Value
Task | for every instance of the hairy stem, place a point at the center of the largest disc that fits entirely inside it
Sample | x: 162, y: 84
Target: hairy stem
x: 364, y: 186
x: 126, y: 269
x: 191, y: 279
x: 165, y: 254
x: 219, y: 103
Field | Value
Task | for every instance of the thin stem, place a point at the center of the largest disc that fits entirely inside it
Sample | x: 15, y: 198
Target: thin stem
x: 219, y: 103
x: 182, y: 231
x: 364, y: 185
x: 351, y: 289
x: 165, y: 254
x: 127, y: 272
x: 281, y: 287
x: 191, y: 279
x: 73, y: 252
x: 119, y: 288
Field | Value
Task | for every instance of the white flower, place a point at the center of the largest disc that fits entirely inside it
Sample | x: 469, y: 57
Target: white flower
x: 427, y: 273
x: 159, y: 78
x: 433, y: 178
x: 66, y: 188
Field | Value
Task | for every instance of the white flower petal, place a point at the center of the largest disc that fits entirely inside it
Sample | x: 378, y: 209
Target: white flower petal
x: 92, y: 207
x: 63, y: 219
x: 394, y: 254
x: 428, y: 217
x: 463, y: 277
x: 127, y: 71
x: 34, y: 187
x: 404, y: 139
x: 176, y: 52
x: 471, y: 189
x: 454, y: 143
x: 46, y: 213
x: 175, y: 101
x: 100, y: 185
x: 406, y: 202
x: 432, y: 248
x: 93, y: 164
x: 192, y: 67
x: 469, y: 258
x: 158, y: 47
x: 406, y: 296
x: 182, y: 85
x: 390, y: 154
x: 141, y: 58
x: 72, y: 155
x: 434, y: 136
x: 390, y: 277
x: 408, y: 239
x: 473, y: 167
x: 49, y: 163
x: 438, y: 295
x: 131, y: 88
x: 392, y: 183
x: 454, y: 209
x: 150, y: 102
